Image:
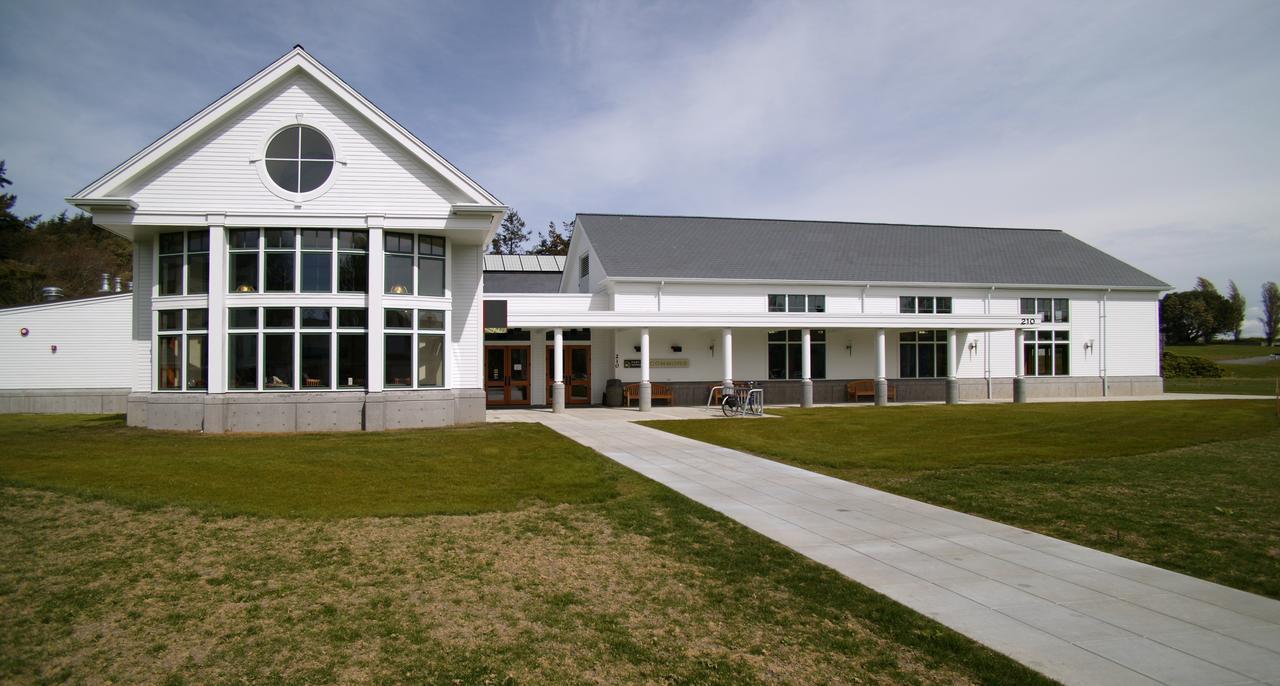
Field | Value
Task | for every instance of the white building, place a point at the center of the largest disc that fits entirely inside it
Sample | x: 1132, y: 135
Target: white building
x: 302, y: 262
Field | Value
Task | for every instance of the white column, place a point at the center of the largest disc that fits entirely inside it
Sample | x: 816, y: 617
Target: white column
x: 646, y: 392
x: 377, y: 267
x: 953, y: 357
x: 882, y: 384
x: 557, y: 373
x: 806, y: 379
x: 216, y: 374
x: 726, y: 345
x: 1019, y: 383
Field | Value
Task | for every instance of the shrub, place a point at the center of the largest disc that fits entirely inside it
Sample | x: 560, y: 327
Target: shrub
x: 1174, y: 366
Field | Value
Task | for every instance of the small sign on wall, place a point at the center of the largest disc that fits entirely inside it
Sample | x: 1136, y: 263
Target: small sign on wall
x: 659, y: 363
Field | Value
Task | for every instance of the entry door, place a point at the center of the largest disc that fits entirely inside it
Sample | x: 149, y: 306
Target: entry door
x: 577, y: 374
x: 506, y: 375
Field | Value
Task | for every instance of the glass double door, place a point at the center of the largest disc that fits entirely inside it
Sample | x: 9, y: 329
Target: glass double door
x: 506, y: 375
x: 577, y: 374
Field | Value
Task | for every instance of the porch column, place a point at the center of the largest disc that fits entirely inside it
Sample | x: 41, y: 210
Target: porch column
x: 377, y: 319
x: 646, y: 391
x: 882, y: 384
x: 215, y: 342
x: 806, y: 379
x: 557, y: 378
x: 726, y: 346
x: 953, y: 357
x: 1019, y: 383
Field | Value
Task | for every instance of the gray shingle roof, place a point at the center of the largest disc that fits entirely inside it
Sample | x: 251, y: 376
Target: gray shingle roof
x: 724, y: 248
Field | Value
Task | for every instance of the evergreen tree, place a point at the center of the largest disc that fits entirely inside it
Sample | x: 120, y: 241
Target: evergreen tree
x: 510, y: 237
x: 555, y: 242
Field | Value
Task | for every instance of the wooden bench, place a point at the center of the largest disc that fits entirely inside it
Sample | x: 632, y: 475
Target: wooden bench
x: 657, y: 391
x: 866, y: 388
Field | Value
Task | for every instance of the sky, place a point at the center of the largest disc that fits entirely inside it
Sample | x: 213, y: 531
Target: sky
x: 1149, y: 129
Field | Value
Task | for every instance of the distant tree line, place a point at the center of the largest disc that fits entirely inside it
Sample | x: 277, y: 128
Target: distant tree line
x: 68, y: 252
x: 1202, y: 313
x: 512, y: 237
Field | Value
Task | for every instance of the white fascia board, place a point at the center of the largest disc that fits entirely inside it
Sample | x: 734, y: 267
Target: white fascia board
x: 296, y: 59
x: 895, y: 284
x: 631, y: 320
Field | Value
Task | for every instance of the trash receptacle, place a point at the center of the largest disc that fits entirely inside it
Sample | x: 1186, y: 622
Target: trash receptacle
x: 613, y: 393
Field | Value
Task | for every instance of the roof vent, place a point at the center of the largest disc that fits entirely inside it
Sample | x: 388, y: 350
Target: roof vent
x: 106, y: 283
x: 51, y: 294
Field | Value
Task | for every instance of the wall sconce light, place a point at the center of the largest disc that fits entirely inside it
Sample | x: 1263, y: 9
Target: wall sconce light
x: 848, y: 347
x: 677, y: 348
x: 24, y: 332
x: 973, y: 347
x: 53, y: 349
x: 1088, y: 345
x: 712, y: 348
x: 637, y: 348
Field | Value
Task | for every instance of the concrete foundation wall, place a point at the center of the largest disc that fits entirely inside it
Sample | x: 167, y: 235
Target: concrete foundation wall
x: 294, y: 412
x: 827, y: 391
x: 64, y: 401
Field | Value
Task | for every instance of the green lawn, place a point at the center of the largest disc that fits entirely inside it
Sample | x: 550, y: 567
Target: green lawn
x: 1242, y: 379
x: 1224, y: 351
x: 147, y: 557
x: 1186, y: 485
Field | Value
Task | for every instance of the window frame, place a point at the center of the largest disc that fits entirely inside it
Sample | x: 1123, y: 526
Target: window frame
x: 796, y: 303
x: 184, y: 267
x: 262, y: 162
x: 297, y: 328
x: 911, y: 340
x: 915, y: 304
x: 1046, y: 309
x: 792, y: 343
x: 299, y: 253
x: 416, y: 254
x: 182, y: 334
x: 1055, y: 343
x: 416, y: 332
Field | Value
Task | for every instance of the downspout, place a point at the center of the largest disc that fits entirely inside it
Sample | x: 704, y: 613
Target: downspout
x: 986, y: 344
x: 1102, y: 341
x: 864, y: 298
x: 660, y: 285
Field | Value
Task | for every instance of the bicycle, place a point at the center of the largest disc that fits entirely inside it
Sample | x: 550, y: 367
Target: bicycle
x: 743, y: 401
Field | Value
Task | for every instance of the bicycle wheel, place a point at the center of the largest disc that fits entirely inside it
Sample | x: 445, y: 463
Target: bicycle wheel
x: 729, y: 406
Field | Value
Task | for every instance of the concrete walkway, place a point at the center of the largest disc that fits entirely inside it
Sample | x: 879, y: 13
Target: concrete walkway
x: 1076, y: 614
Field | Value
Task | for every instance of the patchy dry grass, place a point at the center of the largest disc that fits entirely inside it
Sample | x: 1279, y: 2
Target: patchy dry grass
x: 643, y: 586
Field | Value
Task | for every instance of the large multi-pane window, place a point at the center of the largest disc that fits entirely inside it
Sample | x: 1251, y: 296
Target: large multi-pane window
x: 1047, y: 353
x: 414, y: 348
x: 922, y: 354
x: 298, y: 260
x: 183, y: 263
x: 182, y: 350
x: 780, y: 302
x: 1050, y: 310
x: 786, y: 350
x: 401, y: 259
x: 924, y: 304
x: 297, y: 348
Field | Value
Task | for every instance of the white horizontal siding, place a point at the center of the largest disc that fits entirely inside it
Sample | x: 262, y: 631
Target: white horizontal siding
x: 214, y: 173
x: 95, y: 347
x: 1132, y: 324
x: 467, y: 319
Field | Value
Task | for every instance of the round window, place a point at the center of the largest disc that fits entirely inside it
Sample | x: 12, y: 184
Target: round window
x: 299, y: 159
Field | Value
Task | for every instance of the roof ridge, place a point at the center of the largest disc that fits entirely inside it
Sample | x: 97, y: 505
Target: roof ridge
x: 813, y: 221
